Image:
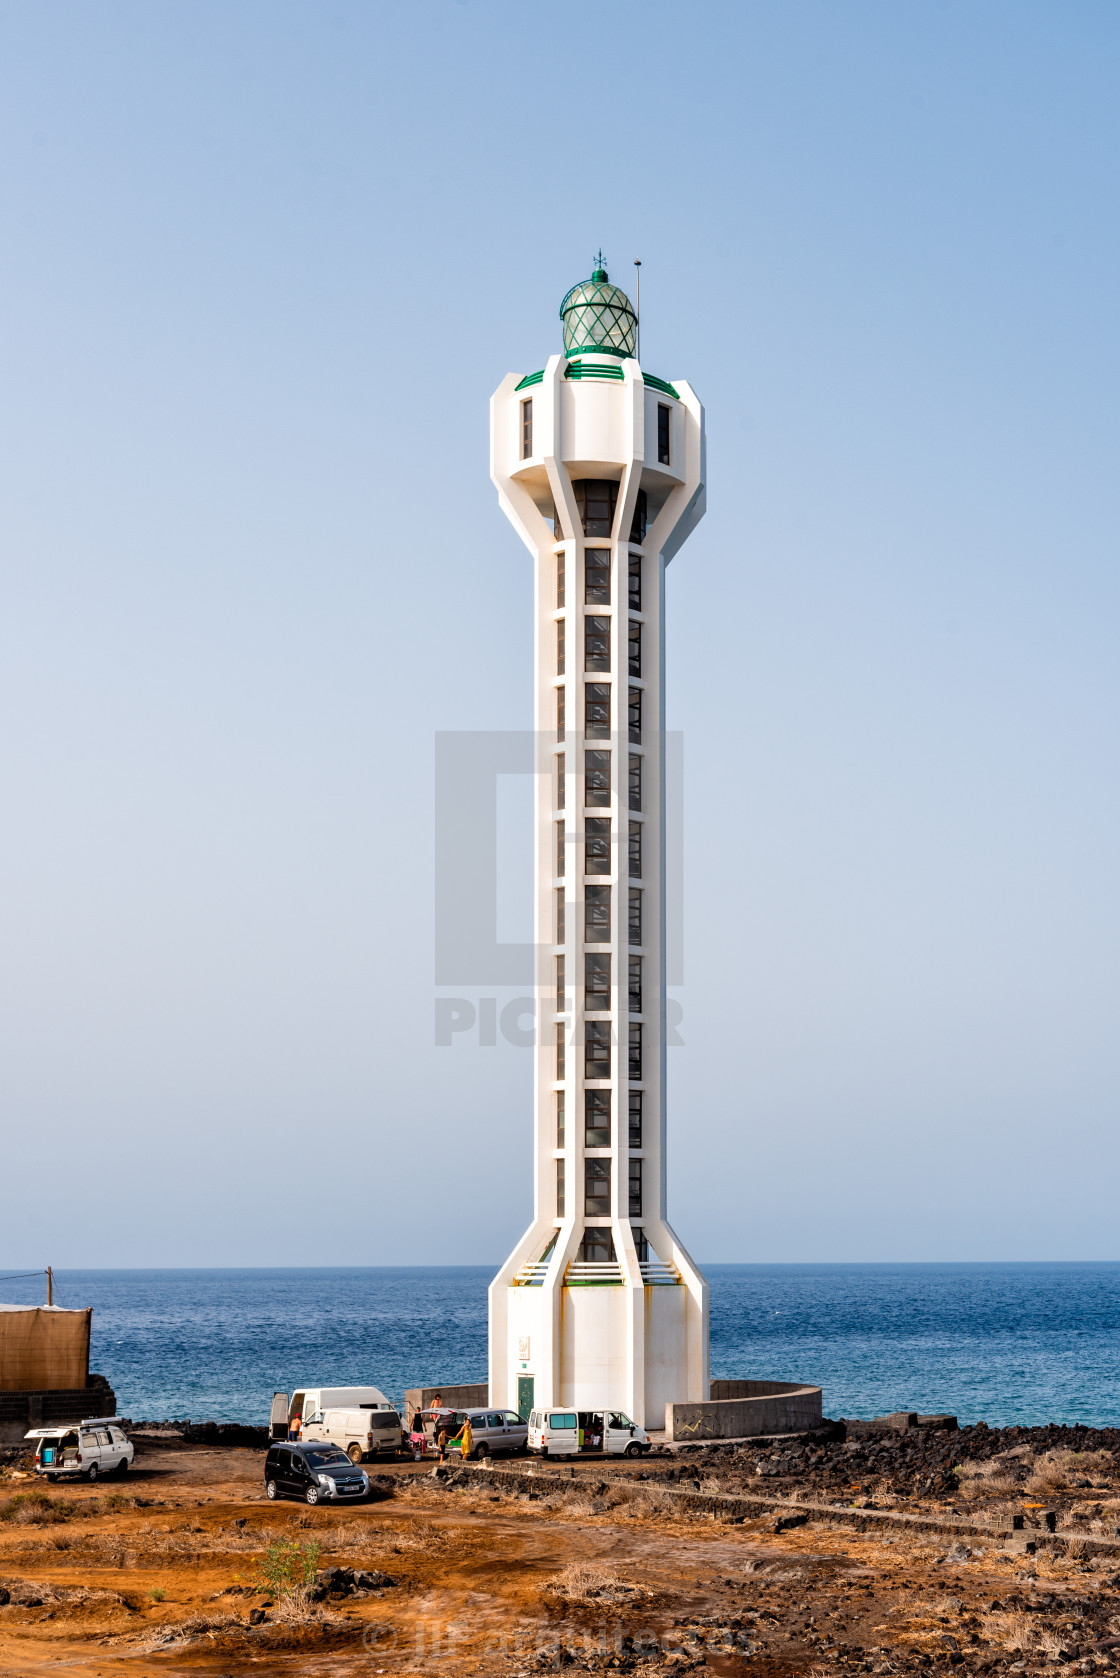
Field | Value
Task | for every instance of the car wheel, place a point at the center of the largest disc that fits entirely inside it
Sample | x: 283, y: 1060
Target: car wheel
x: 53, y: 1478
x: 272, y: 1491
x: 312, y: 1495
x: 91, y: 1473
x: 633, y: 1449
x: 481, y: 1451
x: 354, y: 1452
x: 122, y: 1467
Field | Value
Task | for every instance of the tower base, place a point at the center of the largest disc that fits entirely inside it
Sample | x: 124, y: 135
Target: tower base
x: 568, y: 1339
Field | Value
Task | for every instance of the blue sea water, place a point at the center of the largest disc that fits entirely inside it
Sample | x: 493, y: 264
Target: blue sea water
x: 1003, y: 1343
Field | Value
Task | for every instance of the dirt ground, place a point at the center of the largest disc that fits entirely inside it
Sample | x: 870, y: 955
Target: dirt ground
x: 158, y: 1573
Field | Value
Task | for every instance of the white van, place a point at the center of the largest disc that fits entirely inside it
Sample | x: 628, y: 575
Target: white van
x: 307, y: 1405
x: 359, y: 1432
x: 553, y: 1433
x: 88, y: 1449
x: 556, y: 1433
x: 624, y: 1438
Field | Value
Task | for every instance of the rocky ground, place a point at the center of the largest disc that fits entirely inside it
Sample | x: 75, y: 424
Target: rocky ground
x: 178, y: 1568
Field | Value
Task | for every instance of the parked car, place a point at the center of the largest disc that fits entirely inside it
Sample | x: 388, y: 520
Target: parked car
x: 315, y: 1472
x: 90, y: 1448
x: 359, y: 1432
x: 308, y: 1404
x: 494, y: 1432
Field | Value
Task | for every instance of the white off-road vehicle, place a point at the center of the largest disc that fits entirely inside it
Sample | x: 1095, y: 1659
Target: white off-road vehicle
x: 92, y: 1448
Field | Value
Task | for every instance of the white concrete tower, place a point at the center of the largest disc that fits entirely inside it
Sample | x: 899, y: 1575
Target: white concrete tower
x: 601, y: 470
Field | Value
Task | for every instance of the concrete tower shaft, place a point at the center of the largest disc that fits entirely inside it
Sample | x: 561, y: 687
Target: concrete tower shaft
x: 601, y: 470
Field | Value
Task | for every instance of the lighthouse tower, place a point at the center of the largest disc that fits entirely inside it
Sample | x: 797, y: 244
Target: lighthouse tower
x: 601, y: 470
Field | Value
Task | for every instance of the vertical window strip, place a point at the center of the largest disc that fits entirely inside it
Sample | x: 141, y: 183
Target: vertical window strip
x: 634, y: 850
x: 635, y: 645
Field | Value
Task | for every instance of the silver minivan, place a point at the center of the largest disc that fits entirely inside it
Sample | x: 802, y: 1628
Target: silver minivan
x: 495, y: 1432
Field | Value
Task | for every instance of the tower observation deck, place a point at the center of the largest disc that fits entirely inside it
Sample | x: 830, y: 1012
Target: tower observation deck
x: 601, y: 470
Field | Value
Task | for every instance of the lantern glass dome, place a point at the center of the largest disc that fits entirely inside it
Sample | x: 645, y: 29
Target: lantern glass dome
x: 598, y: 318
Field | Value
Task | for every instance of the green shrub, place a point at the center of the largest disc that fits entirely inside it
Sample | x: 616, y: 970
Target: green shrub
x: 288, y: 1568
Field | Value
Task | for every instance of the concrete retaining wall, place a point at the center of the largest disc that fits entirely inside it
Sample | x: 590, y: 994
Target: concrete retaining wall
x: 470, y: 1397
x: 53, y: 1406
x: 739, y: 1409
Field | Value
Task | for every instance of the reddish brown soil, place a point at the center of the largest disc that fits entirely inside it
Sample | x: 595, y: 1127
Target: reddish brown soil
x: 136, y: 1580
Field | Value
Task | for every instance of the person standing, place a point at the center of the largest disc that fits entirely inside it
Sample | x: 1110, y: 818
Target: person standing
x: 464, y: 1439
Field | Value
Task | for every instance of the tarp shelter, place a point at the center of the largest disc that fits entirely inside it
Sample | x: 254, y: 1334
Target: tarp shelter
x: 43, y: 1347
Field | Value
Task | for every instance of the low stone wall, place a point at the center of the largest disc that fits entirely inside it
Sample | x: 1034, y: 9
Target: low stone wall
x: 470, y: 1397
x: 740, y: 1409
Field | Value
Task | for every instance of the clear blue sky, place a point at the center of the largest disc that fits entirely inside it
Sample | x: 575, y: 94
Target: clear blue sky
x: 263, y: 265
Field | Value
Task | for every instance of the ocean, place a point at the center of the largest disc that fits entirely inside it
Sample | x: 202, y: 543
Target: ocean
x: 1001, y: 1343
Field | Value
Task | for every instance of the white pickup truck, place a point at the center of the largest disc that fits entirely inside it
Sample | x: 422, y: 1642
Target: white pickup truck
x: 91, y: 1448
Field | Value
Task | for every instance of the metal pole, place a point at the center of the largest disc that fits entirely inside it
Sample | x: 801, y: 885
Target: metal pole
x: 50, y: 1285
x: 638, y: 306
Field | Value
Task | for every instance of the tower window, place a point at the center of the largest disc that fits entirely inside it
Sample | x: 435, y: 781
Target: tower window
x: 560, y: 1119
x: 597, y: 1118
x: 635, y: 916
x: 597, y: 644
x: 635, y: 781
x: 597, y: 984
x: 560, y: 578
x: 635, y: 648
x: 559, y: 1188
x: 560, y: 691
x: 636, y: 1118
x: 635, y: 984
x: 527, y: 428
x: 597, y: 1188
x: 635, y: 851
x: 635, y: 583
x: 597, y: 779
x: 597, y: 1049
x: 560, y: 983
x: 635, y: 1066
x: 635, y: 1188
x: 634, y: 716
x: 560, y: 647
x: 663, y: 423
x: 597, y: 1246
x: 597, y: 710
x: 559, y: 850
x: 641, y: 1245
x: 597, y: 915
x: 559, y: 805
x: 638, y: 527
x: 559, y: 1054
x: 597, y: 845
x: 596, y: 500
x: 597, y: 577
x: 560, y: 939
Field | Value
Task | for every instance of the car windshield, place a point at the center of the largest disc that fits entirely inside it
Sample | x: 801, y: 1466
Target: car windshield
x: 326, y: 1457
